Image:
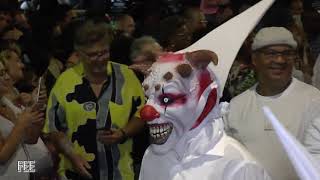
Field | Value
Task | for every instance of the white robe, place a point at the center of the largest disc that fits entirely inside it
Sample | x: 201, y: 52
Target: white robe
x: 204, y: 153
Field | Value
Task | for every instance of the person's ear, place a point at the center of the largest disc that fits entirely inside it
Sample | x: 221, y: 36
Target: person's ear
x: 254, y: 58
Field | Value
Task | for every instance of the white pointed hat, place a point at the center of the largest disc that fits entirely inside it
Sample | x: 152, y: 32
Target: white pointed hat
x: 306, y: 165
x: 227, y: 39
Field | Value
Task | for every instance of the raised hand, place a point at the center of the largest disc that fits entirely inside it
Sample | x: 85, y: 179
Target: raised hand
x: 40, y: 97
x: 27, y: 117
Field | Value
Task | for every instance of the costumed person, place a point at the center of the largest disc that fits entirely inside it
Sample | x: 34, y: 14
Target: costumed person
x: 183, y: 111
x: 181, y: 88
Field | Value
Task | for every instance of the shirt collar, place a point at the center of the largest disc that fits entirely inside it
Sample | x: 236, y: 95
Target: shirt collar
x: 79, y: 69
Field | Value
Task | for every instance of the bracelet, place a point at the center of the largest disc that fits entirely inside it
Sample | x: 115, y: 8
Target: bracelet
x: 124, y: 136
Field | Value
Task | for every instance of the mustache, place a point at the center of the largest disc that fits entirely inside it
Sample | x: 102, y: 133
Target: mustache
x: 278, y: 65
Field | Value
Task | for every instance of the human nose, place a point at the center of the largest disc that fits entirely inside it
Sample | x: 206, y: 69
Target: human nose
x: 279, y: 58
x: 6, y: 76
x: 21, y: 65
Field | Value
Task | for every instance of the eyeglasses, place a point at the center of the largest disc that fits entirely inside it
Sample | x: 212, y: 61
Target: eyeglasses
x: 92, y: 56
x: 203, y: 21
x: 271, y: 54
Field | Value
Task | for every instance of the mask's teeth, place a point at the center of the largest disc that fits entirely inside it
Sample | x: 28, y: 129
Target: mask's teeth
x: 160, y: 132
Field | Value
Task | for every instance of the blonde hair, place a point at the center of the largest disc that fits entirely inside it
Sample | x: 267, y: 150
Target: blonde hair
x: 1, y: 66
x: 6, y: 53
x: 4, y: 56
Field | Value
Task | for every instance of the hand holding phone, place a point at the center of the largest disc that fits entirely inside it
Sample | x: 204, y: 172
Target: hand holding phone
x: 41, y: 95
x: 41, y: 90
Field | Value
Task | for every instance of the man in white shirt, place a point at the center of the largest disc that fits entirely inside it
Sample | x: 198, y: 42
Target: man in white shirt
x: 296, y: 104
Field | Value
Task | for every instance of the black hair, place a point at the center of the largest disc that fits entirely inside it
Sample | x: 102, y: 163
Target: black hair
x: 167, y: 28
x: 61, y: 12
x: 277, y: 17
x: 6, y: 29
x: 121, y: 17
x: 9, y: 5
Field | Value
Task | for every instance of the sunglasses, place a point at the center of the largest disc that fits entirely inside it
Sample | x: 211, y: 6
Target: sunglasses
x: 289, y: 54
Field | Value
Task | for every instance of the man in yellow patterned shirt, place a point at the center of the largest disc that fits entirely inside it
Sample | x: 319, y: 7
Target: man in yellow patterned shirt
x: 93, y: 109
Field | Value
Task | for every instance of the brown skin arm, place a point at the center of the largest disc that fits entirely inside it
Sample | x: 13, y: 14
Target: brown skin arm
x: 134, y: 126
x: 61, y: 143
x: 64, y: 146
x: 115, y: 136
x: 9, y: 145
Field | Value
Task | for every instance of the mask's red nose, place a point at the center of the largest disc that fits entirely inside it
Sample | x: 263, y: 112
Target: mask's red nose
x: 149, y: 113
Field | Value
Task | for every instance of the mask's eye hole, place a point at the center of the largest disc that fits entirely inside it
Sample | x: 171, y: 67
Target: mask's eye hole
x: 168, y: 99
x: 165, y: 100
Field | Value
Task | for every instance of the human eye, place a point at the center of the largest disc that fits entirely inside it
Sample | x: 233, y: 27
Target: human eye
x: 289, y: 53
x: 270, y: 53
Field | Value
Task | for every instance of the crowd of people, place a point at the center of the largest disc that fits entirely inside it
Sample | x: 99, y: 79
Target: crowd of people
x: 71, y: 93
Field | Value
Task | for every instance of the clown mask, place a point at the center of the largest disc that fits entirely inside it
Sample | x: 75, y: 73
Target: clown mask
x: 181, y: 92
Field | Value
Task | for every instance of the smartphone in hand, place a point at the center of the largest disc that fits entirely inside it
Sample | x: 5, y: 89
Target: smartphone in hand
x: 40, y: 96
x: 39, y: 89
